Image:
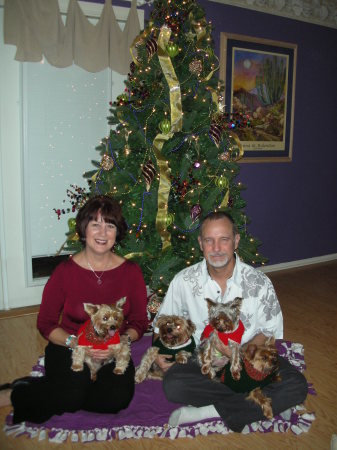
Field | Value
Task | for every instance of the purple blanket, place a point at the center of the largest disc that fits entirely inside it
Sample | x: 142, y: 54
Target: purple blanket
x: 149, y: 411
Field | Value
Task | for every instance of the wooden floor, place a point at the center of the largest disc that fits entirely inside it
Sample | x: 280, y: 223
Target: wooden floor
x: 308, y: 298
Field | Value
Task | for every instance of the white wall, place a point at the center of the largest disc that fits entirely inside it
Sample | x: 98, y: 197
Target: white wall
x: 14, y: 277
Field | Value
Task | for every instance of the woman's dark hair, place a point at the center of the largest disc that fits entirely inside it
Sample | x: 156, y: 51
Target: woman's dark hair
x: 110, y: 211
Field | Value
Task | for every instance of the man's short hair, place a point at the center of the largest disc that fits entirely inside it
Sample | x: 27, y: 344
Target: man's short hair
x: 218, y: 215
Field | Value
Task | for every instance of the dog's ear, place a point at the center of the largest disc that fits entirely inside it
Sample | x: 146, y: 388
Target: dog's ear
x: 210, y: 303
x: 161, y: 321
x: 270, y: 342
x: 120, y: 303
x: 190, y: 326
x: 90, y: 309
x: 251, y: 350
x: 236, y: 303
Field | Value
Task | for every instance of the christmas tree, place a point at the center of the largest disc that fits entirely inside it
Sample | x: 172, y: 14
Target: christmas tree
x: 172, y: 154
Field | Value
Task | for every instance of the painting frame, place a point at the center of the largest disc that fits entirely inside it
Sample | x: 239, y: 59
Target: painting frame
x: 269, y: 106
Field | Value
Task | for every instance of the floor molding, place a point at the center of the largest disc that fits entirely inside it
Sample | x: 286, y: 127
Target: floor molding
x: 299, y: 263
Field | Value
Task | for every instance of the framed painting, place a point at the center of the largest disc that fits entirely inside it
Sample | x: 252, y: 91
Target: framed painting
x: 259, y: 84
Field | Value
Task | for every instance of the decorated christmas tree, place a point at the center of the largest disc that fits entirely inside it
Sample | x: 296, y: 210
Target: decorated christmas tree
x: 171, y: 157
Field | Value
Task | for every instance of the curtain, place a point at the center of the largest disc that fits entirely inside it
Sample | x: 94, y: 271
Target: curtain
x: 35, y: 27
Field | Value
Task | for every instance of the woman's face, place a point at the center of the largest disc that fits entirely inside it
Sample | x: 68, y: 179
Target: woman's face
x: 100, y: 236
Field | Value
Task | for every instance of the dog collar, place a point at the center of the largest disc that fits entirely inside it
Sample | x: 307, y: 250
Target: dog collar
x: 255, y: 374
x: 185, y: 344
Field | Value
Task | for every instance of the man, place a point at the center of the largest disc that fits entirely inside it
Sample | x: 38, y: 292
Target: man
x: 221, y: 276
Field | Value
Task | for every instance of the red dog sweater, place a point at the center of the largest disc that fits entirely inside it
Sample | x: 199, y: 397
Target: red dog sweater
x: 235, y: 335
x: 88, y: 337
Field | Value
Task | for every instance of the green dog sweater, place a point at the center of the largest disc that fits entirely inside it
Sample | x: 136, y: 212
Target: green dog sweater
x: 189, y: 346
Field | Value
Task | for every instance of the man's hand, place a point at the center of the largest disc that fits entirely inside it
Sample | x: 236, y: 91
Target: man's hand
x: 162, y: 362
x: 221, y: 347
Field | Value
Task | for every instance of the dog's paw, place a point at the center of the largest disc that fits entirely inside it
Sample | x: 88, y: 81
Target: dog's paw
x: 236, y: 375
x: 267, y: 409
x: 77, y: 367
x: 140, y: 376
x: 118, y: 371
x: 182, y: 357
x: 205, y: 369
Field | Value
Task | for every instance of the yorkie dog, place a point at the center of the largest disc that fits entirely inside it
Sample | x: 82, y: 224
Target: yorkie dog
x: 101, y: 332
x: 224, y: 328
x: 175, y: 338
x: 259, y: 368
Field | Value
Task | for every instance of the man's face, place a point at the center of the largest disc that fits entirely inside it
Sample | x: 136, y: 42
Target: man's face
x: 218, y: 242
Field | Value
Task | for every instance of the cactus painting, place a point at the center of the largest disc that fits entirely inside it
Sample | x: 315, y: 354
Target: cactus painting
x: 260, y: 81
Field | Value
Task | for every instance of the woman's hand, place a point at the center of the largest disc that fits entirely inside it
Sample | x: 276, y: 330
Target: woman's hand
x: 163, y: 363
x: 99, y: 354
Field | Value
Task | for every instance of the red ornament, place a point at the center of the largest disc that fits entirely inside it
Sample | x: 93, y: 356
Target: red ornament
x: 195, y: 212
x: 151, y: 47
x: 215, y: 133
x: 148, y: 172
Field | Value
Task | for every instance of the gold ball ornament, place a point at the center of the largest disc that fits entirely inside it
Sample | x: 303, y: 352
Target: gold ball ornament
x: 107, y: 162
x: 169, y: 219
x: 165, y: 126
x: 172, y: 49
x: 195, y: 67
x: 72, y: 224
x: 221, y: 182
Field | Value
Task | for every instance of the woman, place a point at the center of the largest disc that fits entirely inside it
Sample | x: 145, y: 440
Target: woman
x: 96, y: 275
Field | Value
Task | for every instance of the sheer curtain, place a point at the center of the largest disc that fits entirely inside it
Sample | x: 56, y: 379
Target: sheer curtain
x: 37, y: 30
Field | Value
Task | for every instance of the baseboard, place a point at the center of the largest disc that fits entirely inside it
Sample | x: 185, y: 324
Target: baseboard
x: 299, y: 263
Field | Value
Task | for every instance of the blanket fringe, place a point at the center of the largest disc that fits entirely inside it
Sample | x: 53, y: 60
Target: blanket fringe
x: 289, y: 420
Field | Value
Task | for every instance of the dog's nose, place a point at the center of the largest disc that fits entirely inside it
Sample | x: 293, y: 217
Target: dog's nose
x: 169, y: 330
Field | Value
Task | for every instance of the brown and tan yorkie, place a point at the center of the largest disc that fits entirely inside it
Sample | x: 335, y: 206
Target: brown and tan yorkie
x: 259, y: 368
x: 175, y: 339
x: 224, y: 328
x: 101, y: 332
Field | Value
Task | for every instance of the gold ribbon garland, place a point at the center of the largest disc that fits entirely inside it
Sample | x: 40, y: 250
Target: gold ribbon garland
x: 171, y: 78
x: 160, y: 139
x: 224, y: 202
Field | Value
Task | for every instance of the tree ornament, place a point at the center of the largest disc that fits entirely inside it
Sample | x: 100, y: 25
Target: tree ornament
x: 225, y: 156
x: 169, y: 219
x: 195, y: 67
x: 165, y: 126
x: 107, y: 162
x: 72, y: 224
x: 172, y: 49
x: 221, y: 182
x: 215, y: 133
x: 153, y: 304
x: 209, y: 51
x: 148, y: 172
x: 123, y: 98
x: 151, y: 47
x: 195, y: 212
x: 197, y: 165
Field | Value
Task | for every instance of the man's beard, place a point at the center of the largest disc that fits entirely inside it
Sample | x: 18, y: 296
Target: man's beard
x: 218, y: 263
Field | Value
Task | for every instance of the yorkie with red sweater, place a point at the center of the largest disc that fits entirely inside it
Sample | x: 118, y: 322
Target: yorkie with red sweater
x: 101, y: 332
x: 224, y: 328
